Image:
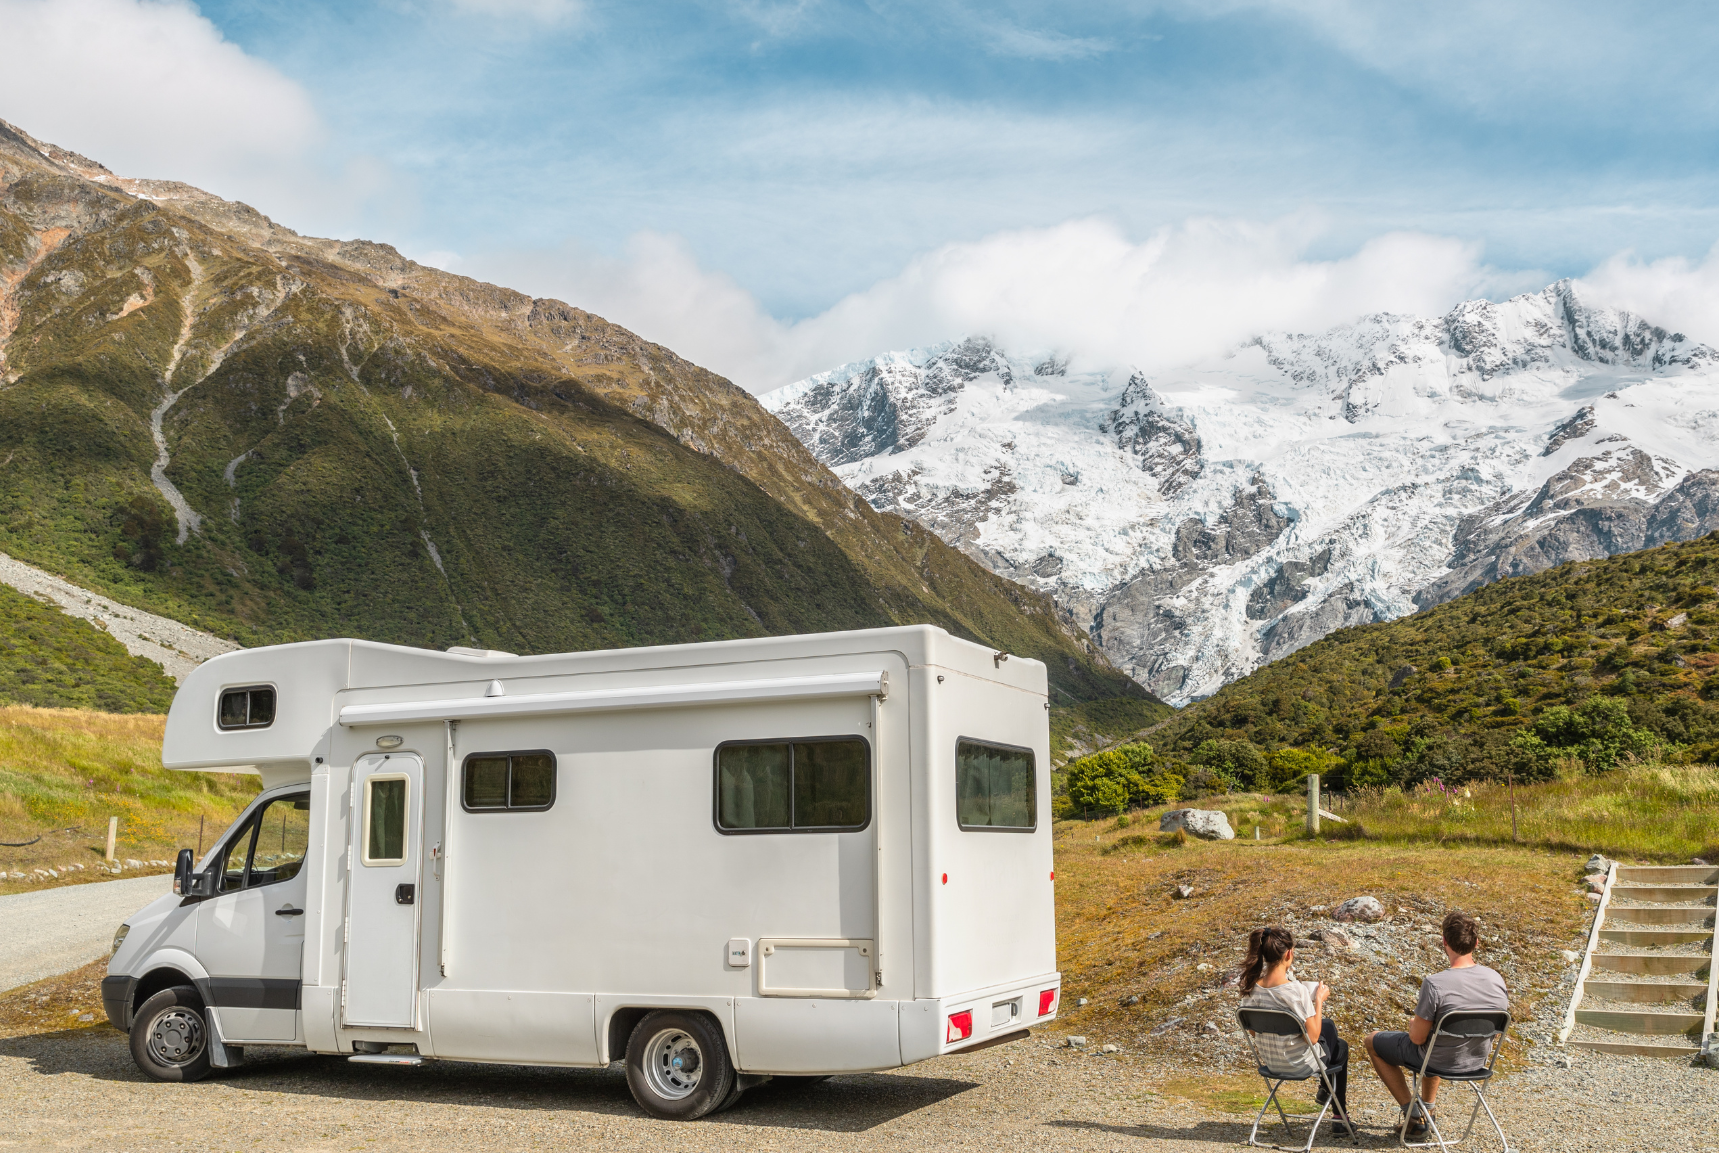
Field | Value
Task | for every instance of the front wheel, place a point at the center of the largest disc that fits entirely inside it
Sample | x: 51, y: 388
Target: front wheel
x: 170, y: 1036
x: 678, y: 1066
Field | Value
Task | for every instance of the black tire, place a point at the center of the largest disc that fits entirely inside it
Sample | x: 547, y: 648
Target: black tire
x: 674, y: 1091
x: 170, y: 1036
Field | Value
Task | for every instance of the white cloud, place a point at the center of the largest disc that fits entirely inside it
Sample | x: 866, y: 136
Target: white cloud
x: 1674, y: 293
x: 151, y: 88
x: 1007, y: 40
x: 1083, y: 287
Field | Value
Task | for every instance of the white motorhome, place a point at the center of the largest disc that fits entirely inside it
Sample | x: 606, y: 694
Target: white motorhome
x: 787, y: 857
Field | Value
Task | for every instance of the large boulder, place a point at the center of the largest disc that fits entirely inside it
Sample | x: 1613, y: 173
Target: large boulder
x: 1207, y: 823
x: 1359, y: 909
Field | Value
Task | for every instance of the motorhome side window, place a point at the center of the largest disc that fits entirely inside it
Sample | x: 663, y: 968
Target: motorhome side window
x: 509, y: 782
x: 270, y: 847
x: 816, y: 785
x: 994, y: 787
x: 251, y: 708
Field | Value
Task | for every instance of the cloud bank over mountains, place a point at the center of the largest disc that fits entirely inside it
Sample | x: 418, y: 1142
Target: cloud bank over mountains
x: 1183, y: 294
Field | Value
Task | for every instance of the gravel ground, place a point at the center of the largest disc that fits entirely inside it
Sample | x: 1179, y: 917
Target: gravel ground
x: 56, y: 930
x: 79, y: 1090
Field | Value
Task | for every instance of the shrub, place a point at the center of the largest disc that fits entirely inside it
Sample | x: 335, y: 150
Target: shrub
x: 1597, y: 732
x: 1117, y: 779
x: 1288, y: 769
x: 1238, y: 763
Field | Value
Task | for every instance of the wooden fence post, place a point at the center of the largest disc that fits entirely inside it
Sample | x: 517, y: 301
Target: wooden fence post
x: 1313, y: 803
x: 112, y: 833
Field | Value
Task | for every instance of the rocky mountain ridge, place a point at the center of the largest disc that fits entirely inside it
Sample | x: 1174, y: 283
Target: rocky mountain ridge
x: 272, y: 436
x: 1203, y: 521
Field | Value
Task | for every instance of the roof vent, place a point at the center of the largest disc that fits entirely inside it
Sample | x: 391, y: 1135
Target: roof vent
x: 495, y: 690
x: 461, y: 650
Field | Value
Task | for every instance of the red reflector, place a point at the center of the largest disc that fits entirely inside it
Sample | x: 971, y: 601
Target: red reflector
x: 1053, y: 874
x: 945, y: 878
x: 960, y: 1026
x: 1047, y: 1002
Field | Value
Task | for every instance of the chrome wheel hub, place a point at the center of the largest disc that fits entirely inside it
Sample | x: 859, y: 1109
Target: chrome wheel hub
x: 176, y: 1037
x: 673, y: 1064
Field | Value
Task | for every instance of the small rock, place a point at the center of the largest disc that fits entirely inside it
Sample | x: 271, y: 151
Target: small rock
x: 1596, y: 898
x: 1316, y: 908
x: 1698, y: 861
x: 1336, y: 940
x: 1210, y: 1027
x: 1111, y: 1049
x: 86, y: 1016
x: 132, y: 864
x: 1561, y: 1061
x: 1077, y: 1042
x: 1131, y: 999
x: 1596, y: 882
x: 1570, y: 956
x: 1359, y: 909
x: 1207, y: 823
x: 1203, y: 967
x: 1081, y: 1002
x: 1182, y: 892
x: 1154, y: 936
x: 1596, y: 864
x: 1168, y: 1025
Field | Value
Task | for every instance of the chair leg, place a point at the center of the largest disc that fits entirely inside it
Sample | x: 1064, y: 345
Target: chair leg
x: 1270, y: 1100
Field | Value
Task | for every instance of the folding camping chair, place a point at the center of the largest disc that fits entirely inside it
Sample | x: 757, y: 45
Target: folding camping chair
x: 1467, y: 1025
x: 1282, y: 1024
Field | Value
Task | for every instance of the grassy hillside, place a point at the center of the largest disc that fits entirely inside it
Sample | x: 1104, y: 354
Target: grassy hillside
x: 379, y: 449
x: 64, y: 772
x: 1604, y: 661
x: 50, y: 659
x: 1077, y: 730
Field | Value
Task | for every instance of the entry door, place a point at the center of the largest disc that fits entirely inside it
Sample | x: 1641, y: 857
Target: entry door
x: 250, y: 934
x: 382, y: 905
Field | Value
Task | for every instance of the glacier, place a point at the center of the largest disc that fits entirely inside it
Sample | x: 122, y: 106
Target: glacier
x: 1206, y: 520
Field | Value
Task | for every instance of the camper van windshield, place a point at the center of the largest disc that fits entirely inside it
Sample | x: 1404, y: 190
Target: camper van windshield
x: 994, y: 787
x: 815, y: 785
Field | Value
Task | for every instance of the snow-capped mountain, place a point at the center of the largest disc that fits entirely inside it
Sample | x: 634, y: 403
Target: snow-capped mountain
x: 1212, y: 518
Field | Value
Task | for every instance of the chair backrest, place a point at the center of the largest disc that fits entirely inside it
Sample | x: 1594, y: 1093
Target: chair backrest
x: 1273, y: 1021
x: 1472, y: 1023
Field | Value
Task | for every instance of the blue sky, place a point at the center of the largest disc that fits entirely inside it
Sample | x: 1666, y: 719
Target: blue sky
x: 790, y: 157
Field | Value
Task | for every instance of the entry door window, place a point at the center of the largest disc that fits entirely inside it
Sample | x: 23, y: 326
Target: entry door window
x: 385, y: 820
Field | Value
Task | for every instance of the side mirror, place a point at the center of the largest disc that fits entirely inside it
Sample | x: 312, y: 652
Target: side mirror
x: 182, y: 873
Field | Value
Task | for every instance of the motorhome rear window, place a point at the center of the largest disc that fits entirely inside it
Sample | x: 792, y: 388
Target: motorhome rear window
x: 812, y: 785
x: 509, y: 782
x: 249, y: 708
x: 994, y: 787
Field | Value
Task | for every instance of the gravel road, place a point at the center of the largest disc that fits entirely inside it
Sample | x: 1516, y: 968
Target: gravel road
x: 56, y: 930
x: 79, y: 1090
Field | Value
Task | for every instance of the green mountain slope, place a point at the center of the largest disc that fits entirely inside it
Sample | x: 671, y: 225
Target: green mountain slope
x: 1446, y: 691
x: 52, y: 660
x: 365, y: 446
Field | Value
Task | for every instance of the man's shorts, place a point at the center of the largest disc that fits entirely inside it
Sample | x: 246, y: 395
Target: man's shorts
x: 1399, y: 1050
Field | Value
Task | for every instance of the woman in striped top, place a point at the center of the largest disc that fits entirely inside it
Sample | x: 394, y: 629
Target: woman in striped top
x: 1267, y: 983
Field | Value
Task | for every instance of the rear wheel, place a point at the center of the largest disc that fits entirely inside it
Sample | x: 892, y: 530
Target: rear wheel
x: 170, y: 1036
x: 678, y: 1066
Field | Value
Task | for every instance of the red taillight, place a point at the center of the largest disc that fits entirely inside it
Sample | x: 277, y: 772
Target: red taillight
x: 1047, y: 1002
x: 960, y: 1026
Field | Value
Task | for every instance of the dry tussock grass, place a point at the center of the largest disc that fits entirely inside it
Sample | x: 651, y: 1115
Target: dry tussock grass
x: 1122, y: 934
x: 64, y: 772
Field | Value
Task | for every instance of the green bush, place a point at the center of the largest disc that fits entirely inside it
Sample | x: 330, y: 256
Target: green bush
x: 1238, y: 763
x: 1112, y: 781
x: 1288, y: 769
x: 1597, y: 732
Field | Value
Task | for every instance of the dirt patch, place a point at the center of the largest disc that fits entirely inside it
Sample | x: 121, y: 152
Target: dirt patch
x: 68, y: 1002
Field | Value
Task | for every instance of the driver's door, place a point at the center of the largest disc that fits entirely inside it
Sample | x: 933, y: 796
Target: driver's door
x: 250, y: 933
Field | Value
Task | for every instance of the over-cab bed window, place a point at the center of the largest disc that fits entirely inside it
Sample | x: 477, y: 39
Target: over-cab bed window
x: 249, y: 708
x: 509, y: 782
x: 812, y: 785
x: 995, y: 787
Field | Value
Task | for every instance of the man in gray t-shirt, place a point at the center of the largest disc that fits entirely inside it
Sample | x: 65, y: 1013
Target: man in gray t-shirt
x: 1464, y: 987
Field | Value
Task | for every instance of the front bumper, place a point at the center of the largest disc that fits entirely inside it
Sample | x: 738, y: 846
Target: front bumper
x: 116, y: 996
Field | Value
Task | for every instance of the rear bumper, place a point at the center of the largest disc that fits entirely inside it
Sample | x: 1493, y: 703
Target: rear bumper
x: 116, y: 1000
x: 1001, y: 1011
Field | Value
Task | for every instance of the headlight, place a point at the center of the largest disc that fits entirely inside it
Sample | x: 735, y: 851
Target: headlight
x: 119, y: 938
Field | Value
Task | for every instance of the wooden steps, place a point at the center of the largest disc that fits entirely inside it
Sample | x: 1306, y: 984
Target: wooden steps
x: 1645, y: 908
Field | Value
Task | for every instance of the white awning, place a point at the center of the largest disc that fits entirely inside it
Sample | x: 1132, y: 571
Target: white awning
x: 875, y: 684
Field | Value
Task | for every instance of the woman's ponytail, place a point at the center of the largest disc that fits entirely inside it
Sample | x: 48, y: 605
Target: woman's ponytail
x: 1265, y: 948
